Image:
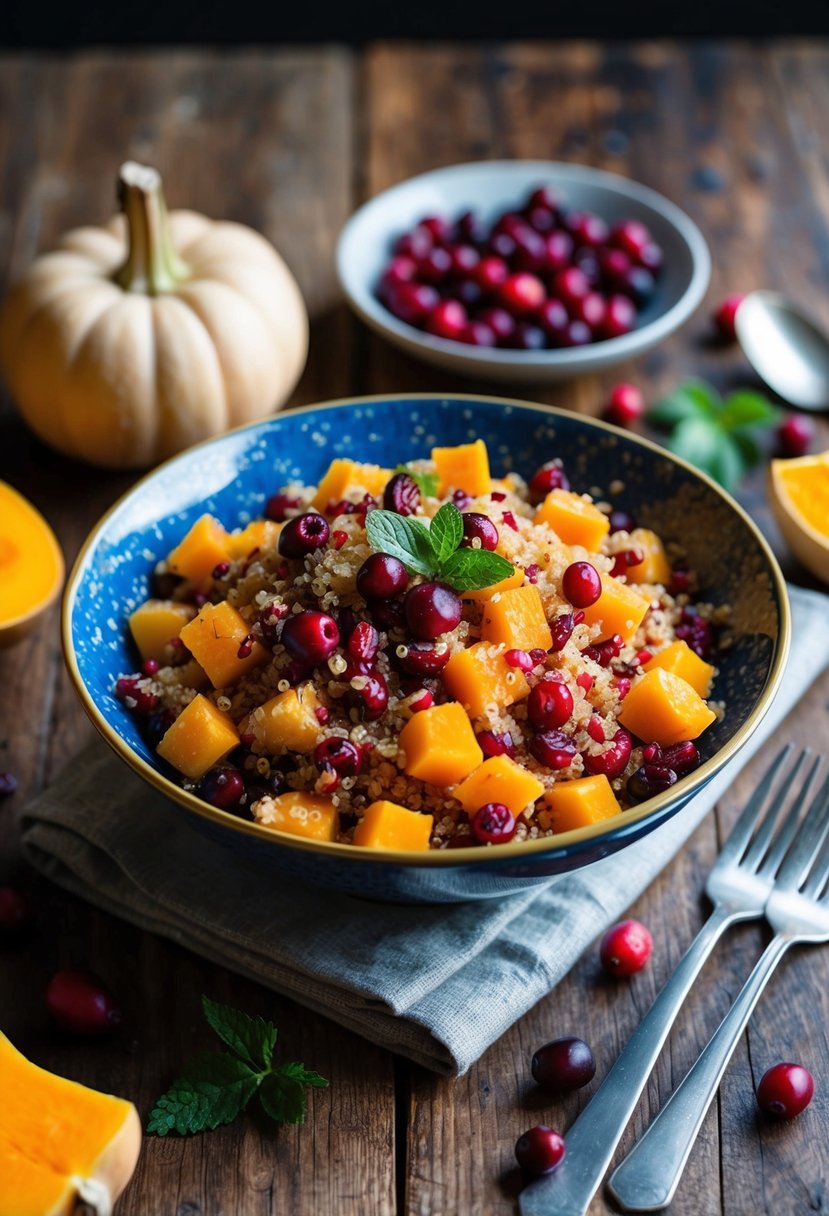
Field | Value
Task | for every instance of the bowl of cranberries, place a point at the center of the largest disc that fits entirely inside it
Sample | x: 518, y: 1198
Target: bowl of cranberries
x: 522, y: 270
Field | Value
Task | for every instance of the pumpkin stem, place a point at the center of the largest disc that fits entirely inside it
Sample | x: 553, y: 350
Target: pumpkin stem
x: 152, y: 266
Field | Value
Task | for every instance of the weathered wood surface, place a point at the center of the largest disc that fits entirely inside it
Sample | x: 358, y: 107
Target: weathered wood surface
x: 290, y: 142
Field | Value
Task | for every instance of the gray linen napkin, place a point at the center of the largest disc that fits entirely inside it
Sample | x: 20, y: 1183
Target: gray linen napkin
x: 437, y: 984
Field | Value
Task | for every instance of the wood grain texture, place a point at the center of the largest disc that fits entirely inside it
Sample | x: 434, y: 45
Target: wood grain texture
x: 290, y: 141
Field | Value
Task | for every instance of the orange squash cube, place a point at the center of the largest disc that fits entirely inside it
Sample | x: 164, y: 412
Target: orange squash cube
x: 200, y: 737
x: 288, y: 722
x: 516, y: 579
x: 517, y: 620
x: 663, y: 708
x: 202, y: 549
x: 385, y: 825
x: 214, y: 637
x: 655, y: 568
x: 465, y: 467
x: 619, y: 609
x: 679, y: 658
x: 440, y: 745
x: 155, y: 624
x: 344, y: 475
x: 577, y: 804
x: 310, y: 815
x: 574, y: 519
x: 259, y: 534
x: 479, y: 677
x: 499, y: 779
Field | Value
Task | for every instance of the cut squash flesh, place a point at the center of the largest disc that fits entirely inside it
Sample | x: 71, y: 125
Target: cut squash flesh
x: 200, y: 737
x: 799, y: 492
x: 31, y: 565
x: 385, y: 825
x: 300, y: 814
x: 663, y: 708
x: 440, y: 745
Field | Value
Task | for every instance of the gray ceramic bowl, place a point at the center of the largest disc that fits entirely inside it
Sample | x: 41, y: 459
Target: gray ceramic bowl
x: 489, y: 188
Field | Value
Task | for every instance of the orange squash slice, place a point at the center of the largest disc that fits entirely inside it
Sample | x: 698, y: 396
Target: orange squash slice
x: 799, y: 491
x: 31, y: 566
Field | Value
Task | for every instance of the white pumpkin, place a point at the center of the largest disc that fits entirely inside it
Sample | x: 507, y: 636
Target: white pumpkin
x: 136, y: 340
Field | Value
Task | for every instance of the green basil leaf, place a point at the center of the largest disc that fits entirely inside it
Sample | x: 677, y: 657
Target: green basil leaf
x: 446, y: 531
x: 694, y: 399
x: 251, y: 1038
x: 402, y: 537
x: 747, y: 409
x: 427, y: 483
x: 473, y: 569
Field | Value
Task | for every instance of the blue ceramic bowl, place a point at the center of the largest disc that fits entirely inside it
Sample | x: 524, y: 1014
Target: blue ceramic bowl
x: 233, y: 475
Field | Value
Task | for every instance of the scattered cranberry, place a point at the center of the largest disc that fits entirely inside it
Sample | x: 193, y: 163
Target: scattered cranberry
x: 581, y: 584
x: 222, y: 787
x: 278, y: 506
x: 554, y: 749
x: 564, y: 1065
x: 303, y: 534
x: 80, y: 1004
x: 447, y: 319
x: 363, y: 641
x: 310, y: 636
x: 562, y: 628
x: 245, y: 647
x: 539, y: 1150
x: 621, y: 521
x: 493, y: 823
x: 785, y: 1090
x: 626, y: 948
x: 491, y: 273
x: 624, y: 405
x: 681, y: 757
x: 650, y: 780
x: 549, y: 704
x: 522, y: 293
x: 373, y: 698
x: 432, y: 609
x: 613, y: 760
x: 794, y: 435
x: 15, y: 912
x: 423, y: 659
x: 479, y: 527
x: 381, y: 576
x: 402, y: 495
x: 477, y: 333
x: 619, y: 317
x: 726, y: 315
x: 8, y: 781
x: 492, y: 743
x: 341, y: 755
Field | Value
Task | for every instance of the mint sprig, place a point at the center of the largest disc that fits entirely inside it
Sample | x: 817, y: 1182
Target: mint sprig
x: 217, y: 1086
x: 433, y: 551
x: 427, y: 483
x: 715, y: 434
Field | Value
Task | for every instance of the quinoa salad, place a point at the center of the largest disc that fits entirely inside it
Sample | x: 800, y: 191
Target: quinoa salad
x: 426, y: 657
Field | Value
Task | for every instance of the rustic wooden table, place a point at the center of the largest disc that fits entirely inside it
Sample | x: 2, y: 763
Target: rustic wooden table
x: 290, y: 142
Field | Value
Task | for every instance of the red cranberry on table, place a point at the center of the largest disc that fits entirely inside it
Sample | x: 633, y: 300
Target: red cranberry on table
x: 493, y: 823
x: 625, y: 404
x: 785, y: 1090
x: 80, y: 1004
x: 479, y: 527
x: 432, y: 609
x: 381, y: 576
x: 222, y: 788
x: 303, y: 534
x: 539, y: 1150
x: 626, y: 948
x: 726, y: 315
x: 565, y: 1064
x: 310, y: 636
x: 15, y: 912
x: 581, y: 584
x: 794, y: 435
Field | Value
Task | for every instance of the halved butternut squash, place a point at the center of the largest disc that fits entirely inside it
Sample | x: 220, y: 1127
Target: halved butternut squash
x: 31, y: 566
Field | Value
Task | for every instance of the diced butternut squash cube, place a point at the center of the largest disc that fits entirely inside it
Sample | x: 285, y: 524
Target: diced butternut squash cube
x: 663, y: 708
x: 619, y: 609
x: 574, y: 519
x: 344, y: 475
x: 385, y: 825
x: 310, y: 815
x: 679, y: 658
x: 214, y: 639
x: 499, y: 779
x: 288, y: 722
x: 655, y: 568
x: 200, y: 552
x: 259, y: 534
x: 155, y: 624
x: 517, y: 619
x: 465, y: 467
x: 440, y: 745
x: 577, y: 804
x: 200, y: 737
x: 479, y: 677
x: 516, y: 579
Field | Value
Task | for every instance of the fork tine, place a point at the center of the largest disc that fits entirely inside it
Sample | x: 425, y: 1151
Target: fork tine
x: 819, y: 872
x: 761, y: 842
x: 788, y: 830
x: 740, y: 835
x: 799, y: 859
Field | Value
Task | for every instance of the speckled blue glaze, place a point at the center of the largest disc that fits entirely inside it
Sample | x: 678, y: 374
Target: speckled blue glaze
x: 232, y: 476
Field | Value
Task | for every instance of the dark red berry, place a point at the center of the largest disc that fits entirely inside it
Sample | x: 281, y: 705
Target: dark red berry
x: 388, y: 615
x: 794, y: 435
x: 623, y: 561
x: 461, y: 499
x: 464, y: 259
x: 550, y: 476
x: 554, y: 749
x: 726, y: 315
x: 8, y: 784
x: 222, y: 787
x: 493, y: 823
x: 341, y: 755
x: 571, y: 285
x: 621, y: 521
x: 562, y: 628
x: 554, y: 320
x: 626, y: 948
x: 310, y: 636
x: 439, y: 227
x: 15, y: 912
x: 412, y: 302
x: 278, y: 506
x: 613, y: 760
x: 605, y: 652
x: 581, y: 584
x: 303, y: 534
x: 522, y: 293
x: 528, y: 336
x: 785, y: 1090
x: 381, y: 576
x: 650, y: 780
x: 363, y: 641
x: 619, y: 317
x: 140, y: 701
x: 509, y: 519
x: 558, y: 251
x: 423, y: 659
x: 697, y: 632
x: 432, y: 609
x: 478, y: 333
x: 591, y: 310
x: 447, y: 320
x: 681, y: 757
x: 435, y: 266
x: 490, y: 274
x: 372, y: 698
x: 479, y: 527
x: 544, y: 196
x: 625, y: 404
x: 539, y: 1150
x: 500, y: 322
x: 631, y: 236
x: 563, y: 1065
x: 402, y: 495
x: 492, y: 743
x: 639, y: 284
x: 414, y: 244
x: 549, y: 704
x: 80, y: 1004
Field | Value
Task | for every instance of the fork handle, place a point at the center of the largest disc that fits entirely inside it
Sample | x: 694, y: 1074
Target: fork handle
x: 648, y: 1177
x: 592, y: 1140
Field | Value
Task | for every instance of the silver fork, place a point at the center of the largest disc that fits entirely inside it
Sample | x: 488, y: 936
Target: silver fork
x: 798, y: 912
x: 738, y: 886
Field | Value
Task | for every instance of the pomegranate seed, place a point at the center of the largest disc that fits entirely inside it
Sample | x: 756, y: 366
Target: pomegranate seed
x: 539, y: 1150
x: 310, y: 636
x: 522, y: 293
x: 622, y: 686
x: 625, y: 404
x: 624, y: 560
x: 424, y: 701
x: 585, y: 682
x: 550, y: 476
x: 15, y: 912
x: 497, y: 496
x: 402, y: 495
x: 222, y: 787
x: 447, y: 320
x: 595, y: 729
x: 604, y: 653
x: 278, y: 506
x: 268, y: 621
x: 581, y: 584
x: 80, y: 1004
x: 696, y: 631
x: 554, y: 749
x: 461, y: 499
x: 651, y: 753
x: 681, y: 757
x: 432, y: 609
x: 613, y: 760
x: 549, y: 704
x: 423, y: 659
x: 680, y: 581
x: 519, y: 659
x: 493, y: 823
x: 363, y: 642
x: 150, y: 667
x: 138, y: 700
x: 621, y: 521
x: 794, y: 435
x: 650, y: 780
x: 509, y: 519
x: 726, y: 315
x: 339, y: 538
x: 322, y: 715
x: 245, y: 647
x: 562, y: 628
x: 785, y: 1090
x: 8, y: 781
x: 341, y: 755
x: 564, y: 1065
x: 643, y: 657
x: 626, y: 948
x: 532, y: 572
x: 303, y: 534
x: 381, y: 576
x: 493, y: 744
x: 538, y: 655
x: 479, y: 527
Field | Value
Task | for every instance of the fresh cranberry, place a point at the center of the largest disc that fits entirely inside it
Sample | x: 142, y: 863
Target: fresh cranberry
x: 303, y: 534
x: 471, y: 228
x: 726, y: 315
x: 581, y: 584
x: 469, y: 294
x: 492, y: 743
x: 138, y: 700
x: 550, y: 476
x: 414, y: 244
x: 613, y: 760
x: 222, y: 787
x: 423, y: 659
x: 595, y: 728
x: 478, y: 333
x: 363, y: 641
x: 522, y: 293
x: 619, y: 317
x: 423, y: 700
x: 571, y: 285
x: 639, y: 284
x: 490, y: 274
x: 577, y: 333
x: 518, y: 658
x: 549, y: 704
x: 585, y: 682
x: 447, y: 320
x: 278, y: 506
x: 625, y: 404
x: 310, y: 636
x: 461, y: 499
x: 621, y: 521
x: 341, y: 755
x: 502, y: 245
x: 794, y: 435
x: 401, y: 269
x: 8, y: 784
x: 80, y: 1004
x: 614, y: 264
x: 587, y: 228
x: 544, y: 196
x: 373, y: 698
x: 625, y: 559
x: 681, y: 757
x: 591, y: 310
x: 554, y: 749
x: 481, y: 528
x: 435, y: 266
x: 785, y: 1090
x: 388, y: 615
x: 631, y: 236
x: 412, y: 302
x: 554, y: 320
x: 539, y: 1150
x: 381, y: 576
x: 558, y: 251
x: 530, y: 249
x: 542, y: 219
x: 528, y: 336
x: 500, y: 322
x: 157, y: 725
x: 15, y: 912
x: 605, y: 652
x: 510, y: 222
x: 432, y: 609
x: 626, y: 948
x: 402, y: 495
x: 494, y: 823
x: 564, y: 1065
x: 562, y: 628
x: 650, y: 780
x: 652, y: 257
x: 439, y: 227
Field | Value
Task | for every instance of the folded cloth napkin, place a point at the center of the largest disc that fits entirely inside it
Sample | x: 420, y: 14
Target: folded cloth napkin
x: 437, y: 984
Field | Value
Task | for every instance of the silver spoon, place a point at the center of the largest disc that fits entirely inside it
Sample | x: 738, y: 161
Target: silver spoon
x: 785, y: 348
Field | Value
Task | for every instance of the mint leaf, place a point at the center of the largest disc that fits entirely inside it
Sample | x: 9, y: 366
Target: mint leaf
x: 253, y: 1039
x: 446, y: 531
x: 728, y: 464
x: 302, y: 1074
x: 402, y: 537
x: 747, y: 409
x: 427, y: 483
x: 696, y: 440
x: 694, y: 399
x: 283, y: 1098
x: 214, y: 1090
x: 473, y: 569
